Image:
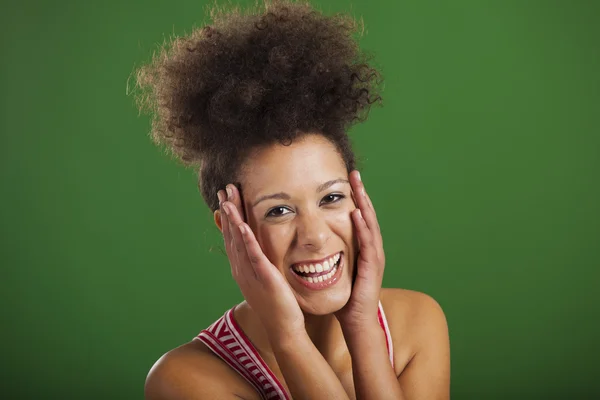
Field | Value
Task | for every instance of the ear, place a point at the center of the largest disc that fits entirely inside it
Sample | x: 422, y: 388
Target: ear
x: 217, y: 216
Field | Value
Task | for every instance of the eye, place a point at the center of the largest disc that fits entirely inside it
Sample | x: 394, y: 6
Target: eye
x: 332, y: 198
x: 278, y: 211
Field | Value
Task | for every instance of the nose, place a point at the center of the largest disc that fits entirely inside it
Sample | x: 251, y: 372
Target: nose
x: 312, y: 231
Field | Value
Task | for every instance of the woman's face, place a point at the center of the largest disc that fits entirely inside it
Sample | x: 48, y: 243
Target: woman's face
x: 298, y: 202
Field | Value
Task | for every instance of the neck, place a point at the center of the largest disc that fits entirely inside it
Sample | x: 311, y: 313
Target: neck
x: 321, y: 329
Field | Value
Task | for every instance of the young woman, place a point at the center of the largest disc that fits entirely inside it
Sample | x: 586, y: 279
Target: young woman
x: 261, y: 103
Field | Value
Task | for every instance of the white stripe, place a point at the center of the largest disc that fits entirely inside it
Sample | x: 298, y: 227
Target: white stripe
x: 272, y: 394
x: 230, y: 359
x: 251, y: 353
x: 243, y: 358
x: 224, y: 338
x: 237, y: 352
x: 217, y: 328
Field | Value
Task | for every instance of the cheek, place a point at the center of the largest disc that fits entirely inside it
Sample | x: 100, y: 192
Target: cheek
x: 275, y: 241
x: 341, y: 223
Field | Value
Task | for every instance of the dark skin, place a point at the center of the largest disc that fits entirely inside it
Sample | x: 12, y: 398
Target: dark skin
x: 319, y: 343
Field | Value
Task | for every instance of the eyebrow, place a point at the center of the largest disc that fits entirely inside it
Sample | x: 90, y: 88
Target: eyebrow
x: 285, y: 196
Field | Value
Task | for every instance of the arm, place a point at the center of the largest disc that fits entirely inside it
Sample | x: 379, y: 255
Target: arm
x: 374, y: 377
x: 306, y: 372
x: 426, y: 376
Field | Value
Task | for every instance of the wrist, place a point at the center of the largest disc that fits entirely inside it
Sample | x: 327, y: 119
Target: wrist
x: 287, y: 340
x: 361, y: 330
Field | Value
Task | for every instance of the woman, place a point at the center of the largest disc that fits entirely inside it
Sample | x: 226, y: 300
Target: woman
x: 261, y: 103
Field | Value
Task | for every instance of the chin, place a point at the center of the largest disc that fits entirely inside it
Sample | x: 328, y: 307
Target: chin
x: 327, y: 304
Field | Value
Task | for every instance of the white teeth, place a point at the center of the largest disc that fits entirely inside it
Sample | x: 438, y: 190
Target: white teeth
x: 321, y: 278
x: 317, y: 268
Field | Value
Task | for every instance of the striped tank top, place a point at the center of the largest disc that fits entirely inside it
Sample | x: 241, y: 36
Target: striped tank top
x: 226, y: 339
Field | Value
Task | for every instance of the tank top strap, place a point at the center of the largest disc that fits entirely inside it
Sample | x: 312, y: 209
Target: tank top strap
x: 386, y: 330
x: 227, y: 340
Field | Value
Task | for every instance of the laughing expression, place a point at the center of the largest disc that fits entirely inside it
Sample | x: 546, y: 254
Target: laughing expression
x: 298, y: 202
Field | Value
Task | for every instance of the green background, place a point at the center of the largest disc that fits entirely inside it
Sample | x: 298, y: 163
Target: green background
x: 483, y: 166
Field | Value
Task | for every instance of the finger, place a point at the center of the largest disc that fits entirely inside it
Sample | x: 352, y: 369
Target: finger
x: 372, y: 220
x: 229, y: 246
x: 238, y: 245
x: 364, y: 202
x: 225, y: 229
x: 366, y: 240
x: 365, y: 205
x: 233, y: 196
x: 260, y: 263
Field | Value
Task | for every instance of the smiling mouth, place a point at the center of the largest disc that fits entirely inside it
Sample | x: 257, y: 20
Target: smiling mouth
x: 318, y: 272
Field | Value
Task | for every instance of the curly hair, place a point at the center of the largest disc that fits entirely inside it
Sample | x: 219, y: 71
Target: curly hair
x: 255, y: 78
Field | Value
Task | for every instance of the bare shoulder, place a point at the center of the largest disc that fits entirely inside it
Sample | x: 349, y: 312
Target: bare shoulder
x: 409, y: 305
x: 191, y: 372
x: 421, y: 344
x: 416, y: 320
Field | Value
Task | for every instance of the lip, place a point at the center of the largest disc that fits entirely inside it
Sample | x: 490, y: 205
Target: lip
x: 325, y: 284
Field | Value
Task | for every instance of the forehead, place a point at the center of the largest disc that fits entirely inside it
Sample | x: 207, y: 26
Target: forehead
x: 303, y: 165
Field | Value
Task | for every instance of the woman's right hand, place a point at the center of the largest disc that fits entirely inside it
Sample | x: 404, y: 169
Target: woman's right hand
x: 262, y: 284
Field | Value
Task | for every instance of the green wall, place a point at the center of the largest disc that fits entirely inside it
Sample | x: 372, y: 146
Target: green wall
x: 483, y: 165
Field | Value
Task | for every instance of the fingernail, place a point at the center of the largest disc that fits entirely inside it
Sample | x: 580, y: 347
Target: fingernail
x: 358, y: 174
x: 226, y: 208
x: 220, y: 197
x: 229, y: 192
x: 242, y: 228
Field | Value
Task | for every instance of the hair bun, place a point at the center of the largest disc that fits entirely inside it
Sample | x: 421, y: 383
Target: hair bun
x: 257, y: 77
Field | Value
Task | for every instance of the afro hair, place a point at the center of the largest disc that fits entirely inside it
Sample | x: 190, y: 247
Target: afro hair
x: 254, y: 78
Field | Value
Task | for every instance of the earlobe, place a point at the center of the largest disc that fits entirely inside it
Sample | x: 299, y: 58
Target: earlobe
x: 217, y: 216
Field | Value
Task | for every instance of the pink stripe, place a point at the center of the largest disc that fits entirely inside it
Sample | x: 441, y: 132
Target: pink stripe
x: 216, y: 348
x: 386, y: 330
x: 245, y: 342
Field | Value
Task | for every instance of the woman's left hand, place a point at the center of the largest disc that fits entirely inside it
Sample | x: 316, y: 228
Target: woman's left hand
x: 361, y: 309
